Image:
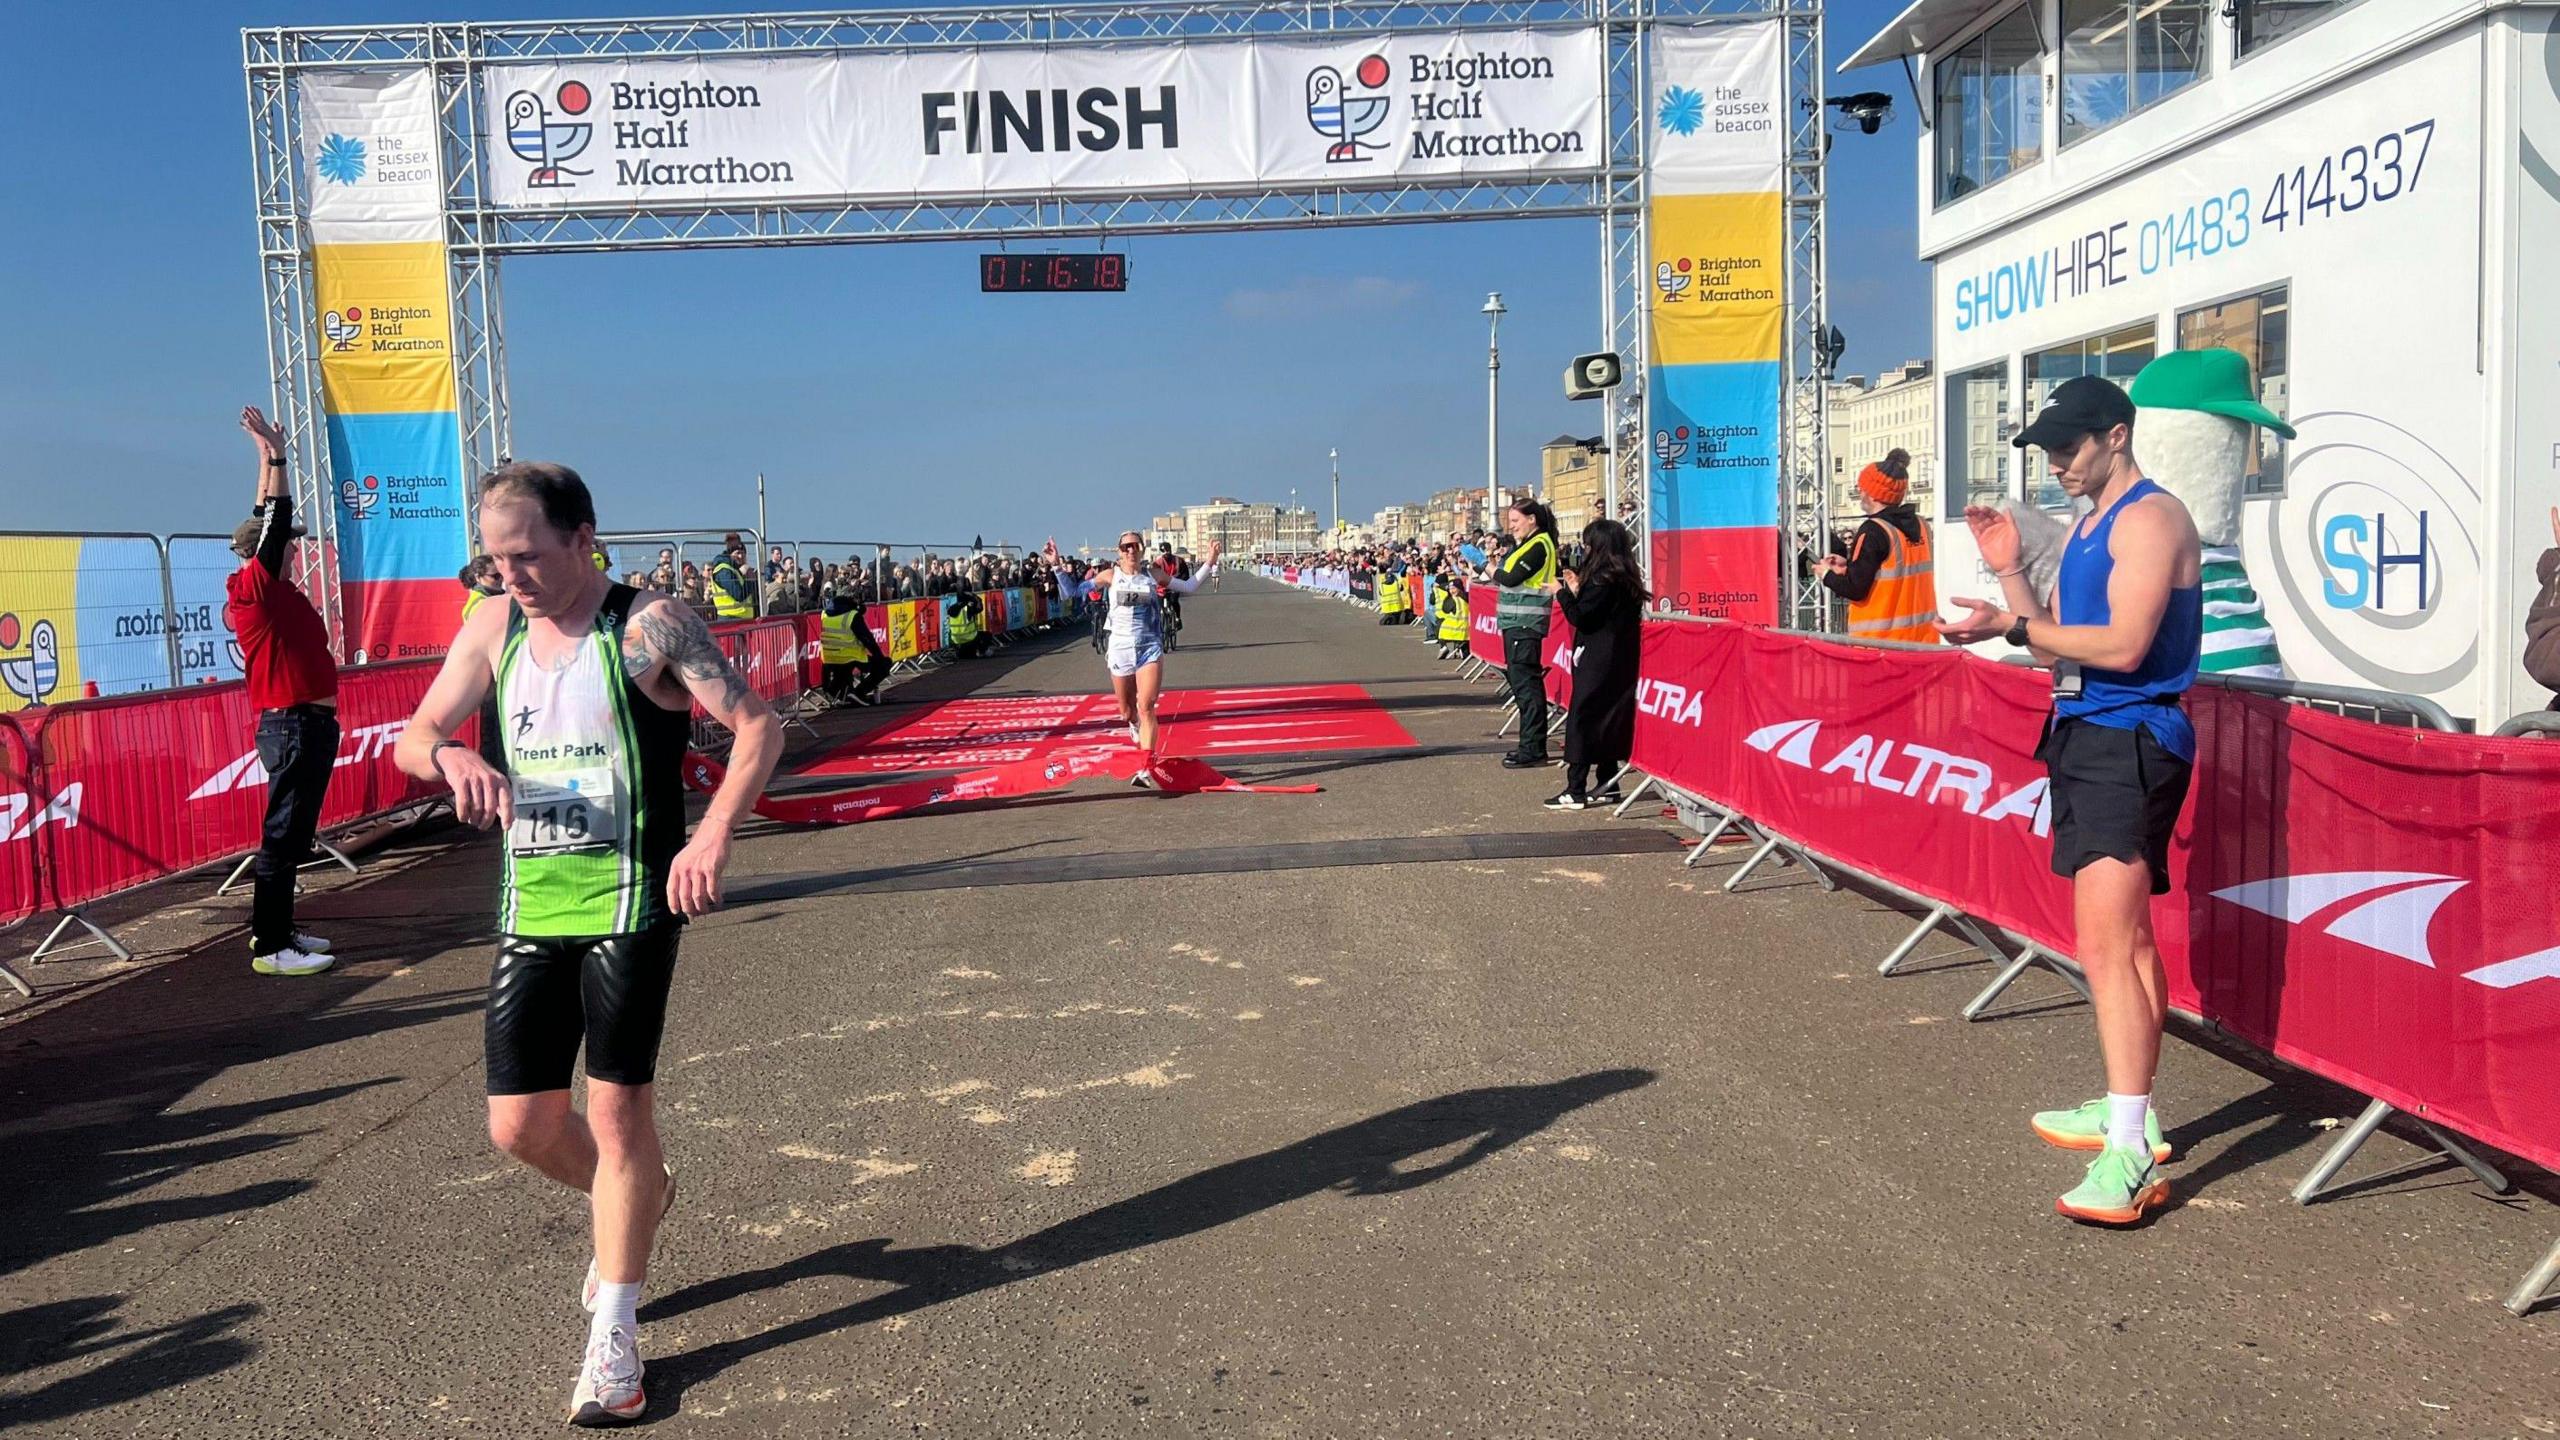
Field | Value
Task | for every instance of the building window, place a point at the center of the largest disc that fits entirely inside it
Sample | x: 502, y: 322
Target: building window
x: 2118, y: 356
x: 2256, y: 326
x: 2119, y: 56
x: 2261, y: 23
x: 1989, y: 106
x: 1977, y: 441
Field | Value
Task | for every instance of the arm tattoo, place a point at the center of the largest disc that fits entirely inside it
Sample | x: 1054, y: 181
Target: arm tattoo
x: 681, y: 639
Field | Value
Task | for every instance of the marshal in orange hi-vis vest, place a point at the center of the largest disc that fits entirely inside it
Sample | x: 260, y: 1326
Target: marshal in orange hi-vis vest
x: 1904, y: 599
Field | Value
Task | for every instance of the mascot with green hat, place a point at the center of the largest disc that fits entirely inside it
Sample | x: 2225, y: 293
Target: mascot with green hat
x: 2197, y: 411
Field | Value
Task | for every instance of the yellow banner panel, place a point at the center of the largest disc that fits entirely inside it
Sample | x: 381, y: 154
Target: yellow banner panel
x: 902, y: 630
x: 385, y: 341
x: 39, y: 622
x: 1719, y: 278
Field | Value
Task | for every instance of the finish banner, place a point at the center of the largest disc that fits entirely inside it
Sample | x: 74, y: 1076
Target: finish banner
x: 2369, y: 903
x: 1717, y: 307
x: 1171, y: 116
x: 385, y: 346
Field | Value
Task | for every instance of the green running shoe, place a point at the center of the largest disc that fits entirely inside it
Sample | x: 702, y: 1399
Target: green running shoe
x: 2121, y: 1187
x: 2086, y: 1129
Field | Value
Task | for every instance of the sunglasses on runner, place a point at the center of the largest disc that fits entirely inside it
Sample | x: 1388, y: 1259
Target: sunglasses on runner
x: 1133, y: 547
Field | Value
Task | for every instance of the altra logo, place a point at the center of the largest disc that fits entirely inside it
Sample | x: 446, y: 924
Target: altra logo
x: 1932, y: 773
x: 2386, y: 910
x: 17, y: 824
x: 355, y: 747
x: 1676, y: 703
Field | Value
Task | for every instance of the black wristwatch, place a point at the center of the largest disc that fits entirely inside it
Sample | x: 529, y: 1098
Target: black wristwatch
x: 2017, y: 632
x: 435, y: 757
x: 277, y: 462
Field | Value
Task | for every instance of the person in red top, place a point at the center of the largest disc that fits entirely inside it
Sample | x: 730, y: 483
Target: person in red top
x: 293, y: 682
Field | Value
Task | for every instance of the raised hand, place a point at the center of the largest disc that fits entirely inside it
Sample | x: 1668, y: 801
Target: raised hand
x: 1995, y: 535
x: 270, y: 440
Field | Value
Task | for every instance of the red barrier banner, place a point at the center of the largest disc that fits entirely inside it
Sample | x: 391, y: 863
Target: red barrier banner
x: 1413, y: 596
x: 23, y: 813
x: 999, y: 611
x: 766, y: 654
x: 1484, y: 637
x: 1559, y: 653
x: 147, y: 786
x: 928, y: 626
x: 2369, y: 903
x: 813, y: 665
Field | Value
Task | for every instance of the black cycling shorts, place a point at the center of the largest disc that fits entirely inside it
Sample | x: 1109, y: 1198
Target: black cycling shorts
x: 549, y: 994
x: 2115, y: 796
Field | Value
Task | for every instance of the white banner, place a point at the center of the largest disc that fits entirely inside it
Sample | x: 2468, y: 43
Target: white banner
x: 369, y: 157
x: 1177, y: 116
x: 1719, y: 109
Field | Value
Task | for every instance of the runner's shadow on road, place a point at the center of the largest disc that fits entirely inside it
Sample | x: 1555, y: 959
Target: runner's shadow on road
x: 1367, y: 1158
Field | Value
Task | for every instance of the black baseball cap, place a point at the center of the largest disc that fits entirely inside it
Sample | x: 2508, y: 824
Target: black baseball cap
x: 2082, y: 405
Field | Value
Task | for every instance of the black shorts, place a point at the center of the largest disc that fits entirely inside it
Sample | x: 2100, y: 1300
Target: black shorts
x: 548, y: 994
x: 2115, y: 796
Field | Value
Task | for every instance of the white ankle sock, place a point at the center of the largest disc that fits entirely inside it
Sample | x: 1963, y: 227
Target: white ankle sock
x: 2125, y: 1114
x: 616, y: 1305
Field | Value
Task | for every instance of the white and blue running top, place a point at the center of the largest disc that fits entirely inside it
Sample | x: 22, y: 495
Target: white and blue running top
x: 1135, y: 618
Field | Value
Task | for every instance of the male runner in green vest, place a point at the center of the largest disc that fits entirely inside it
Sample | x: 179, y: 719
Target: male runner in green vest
x: 595, y: 682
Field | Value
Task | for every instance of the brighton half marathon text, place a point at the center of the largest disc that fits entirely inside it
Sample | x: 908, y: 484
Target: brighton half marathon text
x: 671, y: 132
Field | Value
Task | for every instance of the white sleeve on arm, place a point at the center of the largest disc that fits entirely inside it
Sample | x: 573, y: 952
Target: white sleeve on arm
x: 1182, y: 587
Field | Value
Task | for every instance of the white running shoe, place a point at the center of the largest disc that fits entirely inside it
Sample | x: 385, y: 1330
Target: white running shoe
x: 609, y: 1390
x: 310, y: 944
x: 290, y: 961
x: 666, y: 1207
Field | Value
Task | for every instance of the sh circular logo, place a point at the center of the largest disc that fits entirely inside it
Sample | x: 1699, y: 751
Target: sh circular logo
x: 544, y: 143
x: 1344, y: 118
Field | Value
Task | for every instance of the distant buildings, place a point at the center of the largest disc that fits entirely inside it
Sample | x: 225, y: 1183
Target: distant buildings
x: 1898, y: 411
x: 1573, y: 478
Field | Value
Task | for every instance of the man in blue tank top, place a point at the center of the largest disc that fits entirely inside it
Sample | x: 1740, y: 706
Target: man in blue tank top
x: 2123, y: 631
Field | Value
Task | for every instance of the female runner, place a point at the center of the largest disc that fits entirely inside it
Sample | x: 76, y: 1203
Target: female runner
x: 1135, y: 599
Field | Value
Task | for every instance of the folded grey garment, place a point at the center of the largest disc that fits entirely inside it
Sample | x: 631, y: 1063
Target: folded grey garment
x: 2040, y: 537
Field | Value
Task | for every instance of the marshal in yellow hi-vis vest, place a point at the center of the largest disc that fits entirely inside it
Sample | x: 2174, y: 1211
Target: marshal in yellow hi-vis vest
x: 963, y: 626
x: 1903, y: 603
x: 1453, y: 617
x: 1391, y: 595
x: 726, y: 605
x: 842, y: 639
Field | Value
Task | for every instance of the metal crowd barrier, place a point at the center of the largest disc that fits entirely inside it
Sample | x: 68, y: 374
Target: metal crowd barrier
x: 2380, y: 707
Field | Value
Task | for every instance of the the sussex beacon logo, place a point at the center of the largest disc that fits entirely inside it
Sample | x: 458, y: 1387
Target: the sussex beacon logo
x: 544, y: 143
x: 341, y: 160
x: 1683, y: 110
x: 343, y: 329
x: 1344, y: 118
x: 361, y: 497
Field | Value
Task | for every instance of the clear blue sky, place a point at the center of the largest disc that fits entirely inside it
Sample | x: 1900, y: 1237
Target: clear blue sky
x: 879, y: 392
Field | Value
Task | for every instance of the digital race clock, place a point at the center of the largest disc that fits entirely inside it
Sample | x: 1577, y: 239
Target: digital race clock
x: 1053, y: 272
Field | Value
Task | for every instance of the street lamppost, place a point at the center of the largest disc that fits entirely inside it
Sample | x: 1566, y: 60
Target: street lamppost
x: 1334, y: 459
x: 1493, y: 313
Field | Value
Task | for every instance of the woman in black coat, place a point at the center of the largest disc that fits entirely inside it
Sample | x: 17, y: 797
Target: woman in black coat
x: 1604, y: 599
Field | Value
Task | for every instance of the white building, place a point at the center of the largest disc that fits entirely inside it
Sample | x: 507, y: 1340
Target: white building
x: 2360, y: 197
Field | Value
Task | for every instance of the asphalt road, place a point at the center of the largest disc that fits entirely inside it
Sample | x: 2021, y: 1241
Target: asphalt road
x: 1405, y: 1109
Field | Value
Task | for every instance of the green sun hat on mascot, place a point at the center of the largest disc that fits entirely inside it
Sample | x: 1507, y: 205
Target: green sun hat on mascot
x: 2215, y: 381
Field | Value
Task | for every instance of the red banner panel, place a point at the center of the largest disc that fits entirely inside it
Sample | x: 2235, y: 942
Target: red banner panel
x: 2369, y: 903
x: 959, y: 734
x: 1718, y: 574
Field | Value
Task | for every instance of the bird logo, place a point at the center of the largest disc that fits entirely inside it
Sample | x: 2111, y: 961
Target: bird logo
x: 1672, y: 277
x: 33, y: 678
x: 533, y: 136
x: 343, y: 330
x: 1344, y: 118
x: 1669, y: 446
x: 361, y: 498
